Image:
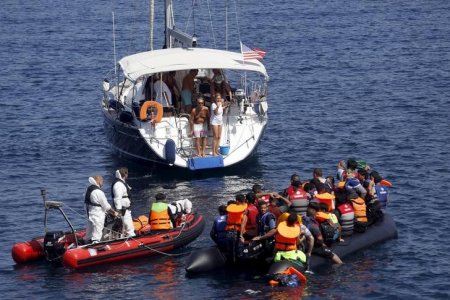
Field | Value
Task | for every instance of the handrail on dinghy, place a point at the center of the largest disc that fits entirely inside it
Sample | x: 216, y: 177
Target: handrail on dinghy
x: 50, y: 204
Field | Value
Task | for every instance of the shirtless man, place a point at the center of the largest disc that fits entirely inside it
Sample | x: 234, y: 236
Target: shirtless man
x: 188, y: 89
x: 200, y: 125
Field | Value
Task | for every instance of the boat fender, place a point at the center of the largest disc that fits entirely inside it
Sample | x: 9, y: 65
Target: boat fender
x: 263, y: 107
x: 144, y: 115
x: 170, y: 151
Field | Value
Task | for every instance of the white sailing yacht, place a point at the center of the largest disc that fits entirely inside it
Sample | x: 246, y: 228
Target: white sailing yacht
x: 142, y: 125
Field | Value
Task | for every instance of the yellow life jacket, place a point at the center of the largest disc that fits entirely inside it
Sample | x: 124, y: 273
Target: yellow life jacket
x: 235, y: 213
x: 284, y: 216
x: 290, y: 255
x: 159, y: 216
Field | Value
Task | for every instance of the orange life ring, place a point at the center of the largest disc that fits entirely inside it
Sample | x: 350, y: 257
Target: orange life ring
x: 386, y: 183
x: 143, y: 115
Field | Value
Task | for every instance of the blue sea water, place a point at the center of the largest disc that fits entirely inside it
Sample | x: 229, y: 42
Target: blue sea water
x: 364, y: 79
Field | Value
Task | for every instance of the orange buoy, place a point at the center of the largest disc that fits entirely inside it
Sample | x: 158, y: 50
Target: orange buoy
x: 143, y: 114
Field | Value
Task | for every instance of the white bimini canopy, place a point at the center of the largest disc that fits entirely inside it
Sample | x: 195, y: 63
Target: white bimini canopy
x: 176, y: 59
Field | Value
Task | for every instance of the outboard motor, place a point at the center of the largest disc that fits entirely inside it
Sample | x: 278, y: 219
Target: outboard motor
x: 52, y: 248
x: 241, y: 100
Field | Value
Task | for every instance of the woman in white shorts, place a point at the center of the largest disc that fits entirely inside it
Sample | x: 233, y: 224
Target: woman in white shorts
x: 217, y: 108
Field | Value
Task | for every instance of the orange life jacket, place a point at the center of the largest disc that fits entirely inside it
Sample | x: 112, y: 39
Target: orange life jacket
x: 235, y: 213
x: 286, y: 237
x: 360, y: 209
x: 159, y: 216
x: 328, y: 199
x: 140, y: 222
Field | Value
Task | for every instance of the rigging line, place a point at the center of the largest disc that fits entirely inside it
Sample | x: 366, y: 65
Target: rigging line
x: 188, y: 19
x: 76, y: 212
x: 211, y: 24
x: 193, y: 14
x: 226, y: 25
x: 237, y: 20
x: 114, y: 44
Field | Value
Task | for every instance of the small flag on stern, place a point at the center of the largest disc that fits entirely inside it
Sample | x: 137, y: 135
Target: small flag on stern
x: 255, y: 53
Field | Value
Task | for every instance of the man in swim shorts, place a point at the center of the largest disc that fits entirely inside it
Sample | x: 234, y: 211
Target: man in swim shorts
x: 200, y: 125
x: 188, y: 89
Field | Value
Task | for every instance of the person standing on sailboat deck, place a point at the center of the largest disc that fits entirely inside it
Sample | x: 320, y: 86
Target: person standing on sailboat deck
x: 221, y: 86
x: 188, y: 90
x: 171, y: 81
x: 96, y: 207
x: 120, y: 192
x: 163, y: 95
x: 199, y: 122
x: 217, y: 108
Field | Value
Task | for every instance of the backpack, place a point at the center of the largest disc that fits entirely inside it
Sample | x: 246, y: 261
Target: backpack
x: 330, y: 232
x: 374, y: 212
x: 360, y: 227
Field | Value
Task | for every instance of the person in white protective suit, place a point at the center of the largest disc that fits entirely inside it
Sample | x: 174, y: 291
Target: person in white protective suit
x: 120, y: 192
x: 97, y: 207
x: 178, y: 211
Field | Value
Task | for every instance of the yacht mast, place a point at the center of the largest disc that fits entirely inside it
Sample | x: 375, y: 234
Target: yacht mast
x: 152, y: 21
x: 175, y: 37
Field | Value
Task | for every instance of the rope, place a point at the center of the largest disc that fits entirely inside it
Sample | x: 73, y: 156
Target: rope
x: 228, y: 127
x: 136, y: 239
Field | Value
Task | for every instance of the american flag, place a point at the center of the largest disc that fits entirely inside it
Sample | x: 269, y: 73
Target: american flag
x: 255, y: 53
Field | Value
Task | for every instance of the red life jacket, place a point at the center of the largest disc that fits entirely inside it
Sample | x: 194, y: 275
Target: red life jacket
x: 252, y: 212
x: 289, y: 189
x: 299, y: 201
x: 266, y: 198
x: 347, y: 218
